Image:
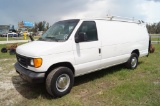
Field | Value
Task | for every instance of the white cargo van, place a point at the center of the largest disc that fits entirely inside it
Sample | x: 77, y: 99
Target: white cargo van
x: 71, y: 48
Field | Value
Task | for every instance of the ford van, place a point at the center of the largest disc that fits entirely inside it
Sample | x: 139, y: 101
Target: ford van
x: 70, y: 48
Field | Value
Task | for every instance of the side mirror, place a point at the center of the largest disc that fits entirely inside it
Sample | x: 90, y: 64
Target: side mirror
x: 81, y: 37
x: 30, y: 36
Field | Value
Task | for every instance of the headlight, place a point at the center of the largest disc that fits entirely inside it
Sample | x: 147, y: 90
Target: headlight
x: 31, y: 62
x: 36, y: 62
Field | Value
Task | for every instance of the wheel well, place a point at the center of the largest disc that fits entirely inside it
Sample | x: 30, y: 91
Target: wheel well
x: 66, y: 64
x: 136, y: 51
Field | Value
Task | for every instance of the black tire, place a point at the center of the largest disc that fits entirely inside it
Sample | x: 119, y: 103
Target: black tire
x: 132, y: 62
x: 12, y: 52
x: 61, y: 75
x: 4, y: 50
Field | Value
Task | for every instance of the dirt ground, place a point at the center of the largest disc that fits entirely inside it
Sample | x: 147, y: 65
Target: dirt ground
x: 8, y: 83
x: 11, y: 85
x: 13, y: 89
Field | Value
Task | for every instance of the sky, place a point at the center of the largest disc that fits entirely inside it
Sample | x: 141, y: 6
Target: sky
x: 14, y: 11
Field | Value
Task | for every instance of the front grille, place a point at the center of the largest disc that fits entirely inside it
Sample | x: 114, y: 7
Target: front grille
x: 24, y: 61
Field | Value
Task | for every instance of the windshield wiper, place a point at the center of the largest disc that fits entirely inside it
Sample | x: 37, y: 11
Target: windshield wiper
x: 49, y: 39
x: 41, y: 39
x: 52, y: 38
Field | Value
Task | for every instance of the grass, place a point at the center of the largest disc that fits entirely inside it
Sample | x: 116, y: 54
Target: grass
x: 155, y: 39
x: 6, y: 55
x: 115, y: 86
x: 16, y: 38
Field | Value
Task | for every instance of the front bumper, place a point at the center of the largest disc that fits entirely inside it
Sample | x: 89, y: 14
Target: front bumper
x: 29, y: 75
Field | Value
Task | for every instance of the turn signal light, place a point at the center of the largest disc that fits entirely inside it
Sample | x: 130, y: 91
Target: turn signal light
x: 37, y: 62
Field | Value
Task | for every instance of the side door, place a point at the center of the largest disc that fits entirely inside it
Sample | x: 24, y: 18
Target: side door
x: 87, y: 51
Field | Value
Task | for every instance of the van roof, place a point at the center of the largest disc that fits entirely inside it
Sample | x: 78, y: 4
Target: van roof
x: 117, y: 18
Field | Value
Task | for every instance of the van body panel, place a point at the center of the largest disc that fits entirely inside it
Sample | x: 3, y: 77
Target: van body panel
x: 119, y: 39
x: 50, y: 52
x: 40, y: 48
x: 50, y: 60
x: 87, y: 57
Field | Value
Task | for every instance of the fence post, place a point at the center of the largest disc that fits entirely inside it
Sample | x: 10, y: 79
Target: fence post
x: 156, y: 36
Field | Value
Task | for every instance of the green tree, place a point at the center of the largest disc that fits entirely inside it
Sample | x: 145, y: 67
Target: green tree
x: 40, y: 26
x: 153, y: 28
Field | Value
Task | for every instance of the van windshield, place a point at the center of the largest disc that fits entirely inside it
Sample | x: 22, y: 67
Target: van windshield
x: 60, y: 31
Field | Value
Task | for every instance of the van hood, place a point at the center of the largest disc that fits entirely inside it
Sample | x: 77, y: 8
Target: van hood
x: 41, y: 48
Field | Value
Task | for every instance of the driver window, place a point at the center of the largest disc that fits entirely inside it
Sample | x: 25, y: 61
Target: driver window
x: 89, y: 28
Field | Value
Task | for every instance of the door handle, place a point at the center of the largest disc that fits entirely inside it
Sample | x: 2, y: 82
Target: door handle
x: 99, y: 50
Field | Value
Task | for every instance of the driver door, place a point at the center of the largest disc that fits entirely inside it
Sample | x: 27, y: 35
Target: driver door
x: 87, y: 52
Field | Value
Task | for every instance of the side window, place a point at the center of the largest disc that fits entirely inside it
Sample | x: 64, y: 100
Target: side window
x: 90, y: 30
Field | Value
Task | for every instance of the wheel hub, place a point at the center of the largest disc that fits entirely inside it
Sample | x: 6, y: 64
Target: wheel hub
x: 134, y: 62
x: 62, y: 82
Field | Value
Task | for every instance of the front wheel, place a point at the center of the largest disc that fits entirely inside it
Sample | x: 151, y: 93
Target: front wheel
x: 59, y: 81
x: 132, y: 62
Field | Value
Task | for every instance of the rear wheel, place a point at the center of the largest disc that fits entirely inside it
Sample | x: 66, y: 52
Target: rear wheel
x: 132, y: 62
x: 59, y: 81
